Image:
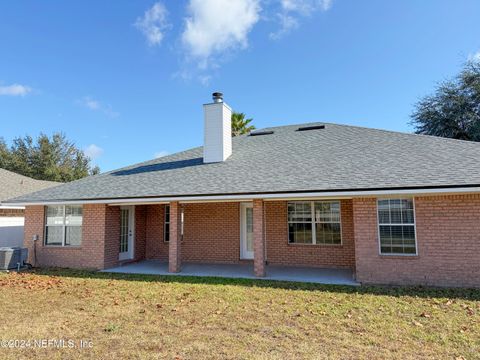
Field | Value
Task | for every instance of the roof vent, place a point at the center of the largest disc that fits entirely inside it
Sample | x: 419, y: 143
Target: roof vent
x: 261, y: 132
x: 217, y: 97
x: 314, y: 127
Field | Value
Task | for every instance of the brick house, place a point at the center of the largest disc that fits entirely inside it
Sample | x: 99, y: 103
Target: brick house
x: 394, y: 208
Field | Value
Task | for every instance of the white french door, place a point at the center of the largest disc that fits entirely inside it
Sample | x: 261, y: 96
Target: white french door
x: 127, y: 232
x: 246, y: 231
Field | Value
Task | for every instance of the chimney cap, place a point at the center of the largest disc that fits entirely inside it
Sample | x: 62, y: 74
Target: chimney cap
x: 217, y: 97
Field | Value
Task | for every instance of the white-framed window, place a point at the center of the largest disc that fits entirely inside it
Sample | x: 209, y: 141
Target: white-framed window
x: 63, y: 225
x: 166, y: 224
x: 314, y: 222
x: 396, y: 227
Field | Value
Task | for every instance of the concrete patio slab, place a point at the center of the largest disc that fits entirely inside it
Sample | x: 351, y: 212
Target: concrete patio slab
x: 245, y: 271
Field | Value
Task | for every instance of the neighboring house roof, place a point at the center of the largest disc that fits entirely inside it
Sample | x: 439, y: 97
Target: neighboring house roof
x: 14, y: 185
x: 335, y: 158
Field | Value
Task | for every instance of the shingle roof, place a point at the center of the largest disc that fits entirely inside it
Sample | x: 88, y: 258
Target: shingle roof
x: 335, y: 158
x: 13, y: 185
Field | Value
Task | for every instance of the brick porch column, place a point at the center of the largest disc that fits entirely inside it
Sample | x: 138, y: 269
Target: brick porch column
x: 174, y: 246
x: 258, y: 239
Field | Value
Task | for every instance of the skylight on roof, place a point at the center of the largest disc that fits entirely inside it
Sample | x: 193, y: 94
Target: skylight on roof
x: 261, y: 132
x: 313, y: 127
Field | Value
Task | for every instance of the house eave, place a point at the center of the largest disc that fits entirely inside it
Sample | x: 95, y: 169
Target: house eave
x: 268, y: 196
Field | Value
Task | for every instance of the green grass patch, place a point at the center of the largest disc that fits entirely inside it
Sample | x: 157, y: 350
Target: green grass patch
x: 148, y: 316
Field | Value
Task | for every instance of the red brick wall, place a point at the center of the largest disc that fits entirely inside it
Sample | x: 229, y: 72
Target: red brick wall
x: 100, y: 239
x: 211, y: 232
x: 259, y: 253
x: 280, y: 252
x: 112, y: 236
x: 448, y: 243
x: 155, y: 248
x: 175, y: 242
x: 91, y: 252
x: 448, y: 239
x: 140, y: 232
x: 34, y: 225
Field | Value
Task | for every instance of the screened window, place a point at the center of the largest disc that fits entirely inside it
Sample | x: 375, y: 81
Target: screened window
x: 63, y: 225
x: 314, y: 222
x: 396, y: 222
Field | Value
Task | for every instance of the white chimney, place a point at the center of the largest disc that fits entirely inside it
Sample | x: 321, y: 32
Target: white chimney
x: 217, y: 144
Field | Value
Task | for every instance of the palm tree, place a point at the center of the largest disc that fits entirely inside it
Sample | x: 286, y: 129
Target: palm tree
x: 240, y: 124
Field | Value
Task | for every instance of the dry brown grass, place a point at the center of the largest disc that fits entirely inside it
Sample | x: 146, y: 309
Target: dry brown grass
x: 131, y: 317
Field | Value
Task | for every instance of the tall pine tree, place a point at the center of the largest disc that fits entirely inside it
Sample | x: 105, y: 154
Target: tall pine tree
x: 46, y: 158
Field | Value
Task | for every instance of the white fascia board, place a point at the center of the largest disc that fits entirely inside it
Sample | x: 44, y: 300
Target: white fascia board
x: 14, y: 207
x: 267, y: 197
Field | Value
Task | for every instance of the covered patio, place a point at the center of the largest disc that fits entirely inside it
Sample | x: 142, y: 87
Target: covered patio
x: 243, y: 271
x: 231, y: 239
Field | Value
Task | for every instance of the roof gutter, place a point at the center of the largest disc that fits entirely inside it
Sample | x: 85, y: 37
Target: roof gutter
x: 266, y: 196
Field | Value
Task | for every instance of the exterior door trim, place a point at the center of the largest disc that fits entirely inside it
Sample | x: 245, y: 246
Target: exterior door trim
x: 244, y: 253
x: 129, y: 255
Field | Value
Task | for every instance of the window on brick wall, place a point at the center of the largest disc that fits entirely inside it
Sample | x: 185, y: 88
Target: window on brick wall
x: 396, y: 227
x: 63, y: 225
x: 314, y: 222
x: 166, y: 225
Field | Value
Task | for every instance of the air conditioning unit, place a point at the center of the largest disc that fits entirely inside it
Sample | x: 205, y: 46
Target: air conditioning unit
x: 11, y: 257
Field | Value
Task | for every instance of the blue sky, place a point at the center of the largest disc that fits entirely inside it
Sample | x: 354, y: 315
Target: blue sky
x: 126, y: 79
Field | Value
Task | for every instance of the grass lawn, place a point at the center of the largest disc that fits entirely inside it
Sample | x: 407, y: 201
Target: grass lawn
x: 133, y: 316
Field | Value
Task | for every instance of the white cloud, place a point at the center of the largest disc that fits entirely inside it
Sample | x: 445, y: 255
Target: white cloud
x: 305, y: 7
x: 95, y: 105
x: 107, y: 110
x: 214, y: 27
x: 153, y: 24
x: 15, y: 90
x: 93, y: 151
x: 204, y: 79
x: 287, y: 24
x: 160, y: 154
x: 291, y: 10
x: 91, y: 104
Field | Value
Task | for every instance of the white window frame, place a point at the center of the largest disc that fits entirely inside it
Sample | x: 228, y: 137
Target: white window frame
x: 313, y: 222
x: 394, y: 224
x: 165, y: 222
x: 64, y: 226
